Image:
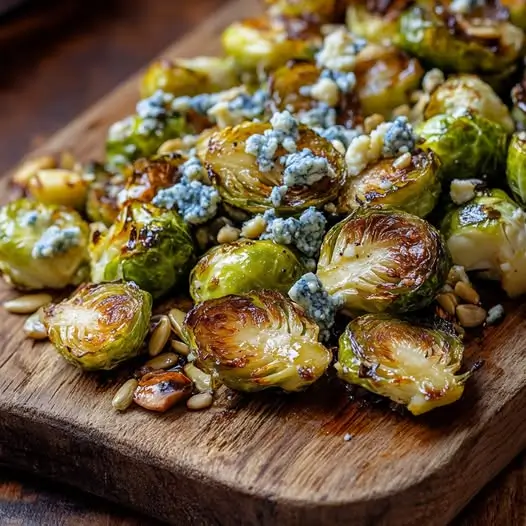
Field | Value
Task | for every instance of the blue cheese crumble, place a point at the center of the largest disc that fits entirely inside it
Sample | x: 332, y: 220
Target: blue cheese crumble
x: 55, y: 241
x: 322, y: 116
x: 339, y: 50
x: 305, y: 168
x: 399, y: 138
x: 193, y: 170
x: 319, y: 306
x: 339, y: 133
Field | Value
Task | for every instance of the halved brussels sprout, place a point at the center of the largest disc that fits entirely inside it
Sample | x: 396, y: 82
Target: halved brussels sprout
x: 412, y: 365
x: 189, y: 76
x: 462, y: 93
x: 102, y: 199
x: 242, y: 266
x: 256, y: 341
x: 241, y: 183
x: 375, y: 20
x: 518, y: 97
x: 148, y: 245
x: 261, y: 43
x: 488, y: 234
x: 100, y: 326
x: 386, y: 77
x: 516, y: 167
x: 312, y: 10
x: 381, y: 259
x: 414, y: 188
x: 42, y: 246
x: 517, y: 9
x: 141, y: 135
x: 459, y: 43
x: 468, y: 145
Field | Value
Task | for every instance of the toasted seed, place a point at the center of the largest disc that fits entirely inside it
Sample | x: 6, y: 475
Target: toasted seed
x: 202, y: 381
x: 253, y: 228
x: 402, y: 111
x: 163, y: 361
x: 403, y: 161
x: 27, y: 304
x: 160, y: 390
x: 180, y: 347
x: 124, y: 396
x: 467, y: 292
x: 34, y: 328
x: 471, y: 315
x: 372, y: 122
x: 448, y: 301
x: 30, y: 167
x: 457, y: 273
x: 160, y: 336
x: 200, y: 401
x: 177, y: 317
x: 228, y: 234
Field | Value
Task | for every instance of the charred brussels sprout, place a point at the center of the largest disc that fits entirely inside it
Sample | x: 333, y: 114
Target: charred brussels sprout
x: 518, y: 97
x: 256, y: 341
x: 468, y: 145
x: 261, y: 43
x: 516, y: 167
x: 241, y: 181
x: 488, y: 234
x: 381, y: 259
x: 147, y: 245
x: 415, y: 188
x: 469, y: 92
x: 386, y: 78
x: 42, y: 246
x: 189, y: 76
x: 312, y: 10
x: 100, y: 326
x: 242, y: 266
x: 414, y: 366
x: 458, y: 43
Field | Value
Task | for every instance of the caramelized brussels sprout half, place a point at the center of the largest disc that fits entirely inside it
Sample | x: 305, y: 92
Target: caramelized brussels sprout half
x: 467, y: 144
x: 459, y: 43
x: 516, y: 167
x: 255, y: 341
x: 488, y: 234
x: 148, y: 245
x: 411, y: 365
x: 100, y: 326
x: 518, y: 97
x: 42, y: 246
x: 414, y: 188
x: 241, y: 183
x: 381, y: 259
x: 312, y: 10
x: 469, y: 93
x: 261, y: 43
x: 189, y: 76
x: 386, y: 77
x: 242, y: 266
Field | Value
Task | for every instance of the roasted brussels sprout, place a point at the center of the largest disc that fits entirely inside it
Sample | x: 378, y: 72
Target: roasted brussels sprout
x: 261, y: 43
x: 517, y: 10
x: 100, y: 326
x: 235, y: 168
x: 516, y: 167
x: 386, y: 77
x: 469, y: 93
x: 242, y: 266
x: 458, y: 43
x: 42, y: 246
x: 518, y: 97
x: 412, y: 365
x: 313, y: 10
x: 380, y: 259
x: 148, y: 245
x: 255, y: 341
x: 414, y: 188
x: 189, y: 76
x: 467, y: 144
x: 141, y: 135
x: 488, y: 234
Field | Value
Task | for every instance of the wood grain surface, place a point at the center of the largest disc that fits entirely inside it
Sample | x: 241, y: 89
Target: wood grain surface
x: 261, y: 459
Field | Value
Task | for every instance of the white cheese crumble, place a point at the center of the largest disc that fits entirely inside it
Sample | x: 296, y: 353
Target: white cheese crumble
x: 464, y: 7
x: 495, y: 314
x: 339, y: 50
x: 55, y: 241
x: 463, y: 190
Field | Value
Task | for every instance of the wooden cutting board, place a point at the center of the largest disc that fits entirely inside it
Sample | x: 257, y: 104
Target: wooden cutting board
x: 261, y: 459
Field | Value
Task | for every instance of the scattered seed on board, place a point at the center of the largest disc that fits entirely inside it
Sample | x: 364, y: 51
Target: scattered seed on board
x: 34, y: 328
x: 160, y: 336
x: 180, y: 347
x: 163, y: 361
x: 27, y: 304
x: 471, y: 315
x: 124, y: 396
x: 228, y: 234
x: 201, y: 380
x: 200, y: 401
x: 467, y: 292
x: 177, y: 317
x: 448, y: 302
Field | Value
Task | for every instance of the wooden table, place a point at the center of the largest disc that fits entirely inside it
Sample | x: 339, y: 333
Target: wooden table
x: 55, y: 62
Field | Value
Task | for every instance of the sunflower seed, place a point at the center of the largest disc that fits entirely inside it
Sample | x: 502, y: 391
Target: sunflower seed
x: 200, y: 401
x: 160, y: 336
x: 27, y: 304
x: 177, y: 317
x: 448, y: 302
x: 34, y: 328
x: 163, y: 361
x: 124, y: 396
x: 471, y: 315
x: 467, y: 292
x: 202, y: 381
x: 228, y: 234
x: 180, y: 348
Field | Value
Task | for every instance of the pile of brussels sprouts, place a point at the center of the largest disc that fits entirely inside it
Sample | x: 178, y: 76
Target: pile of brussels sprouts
x: 324, y: 193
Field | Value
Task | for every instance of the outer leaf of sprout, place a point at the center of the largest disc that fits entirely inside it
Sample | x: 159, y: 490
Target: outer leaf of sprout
x: 516, y: 167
